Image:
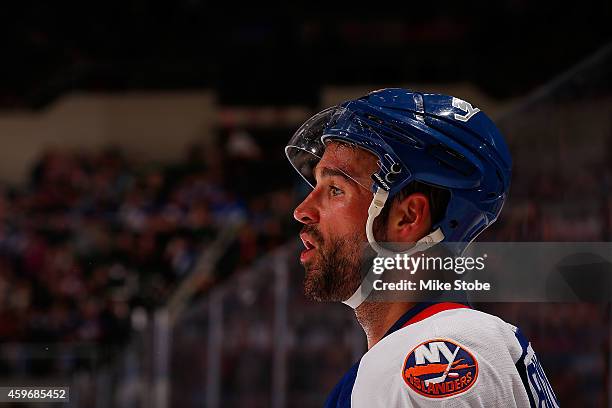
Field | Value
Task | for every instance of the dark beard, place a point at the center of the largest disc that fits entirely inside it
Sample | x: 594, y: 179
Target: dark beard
x: 335, y: 275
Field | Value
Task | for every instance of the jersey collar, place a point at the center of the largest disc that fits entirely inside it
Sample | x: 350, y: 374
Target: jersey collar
x: 422, y: 311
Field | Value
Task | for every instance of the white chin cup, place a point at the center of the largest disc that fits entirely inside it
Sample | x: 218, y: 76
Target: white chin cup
x: 376, y: 206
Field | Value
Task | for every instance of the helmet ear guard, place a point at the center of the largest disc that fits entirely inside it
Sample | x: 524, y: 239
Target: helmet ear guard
x: 433, y: 139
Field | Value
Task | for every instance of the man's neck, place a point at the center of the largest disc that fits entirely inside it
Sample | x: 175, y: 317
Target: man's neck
x: 376, y: 318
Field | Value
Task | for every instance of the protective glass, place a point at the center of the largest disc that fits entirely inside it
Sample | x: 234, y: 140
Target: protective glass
x: 308, y: 144
x: 306, y: 147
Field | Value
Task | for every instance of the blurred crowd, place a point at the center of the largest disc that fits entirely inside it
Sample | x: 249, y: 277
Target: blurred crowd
x: 95, y: 235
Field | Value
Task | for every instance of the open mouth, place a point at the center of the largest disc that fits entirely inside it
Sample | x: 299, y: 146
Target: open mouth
x: 309, y: 248
x: 307, y: 241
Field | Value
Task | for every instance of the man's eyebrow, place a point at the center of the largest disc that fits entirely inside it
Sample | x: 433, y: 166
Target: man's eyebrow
x: 330, y: 172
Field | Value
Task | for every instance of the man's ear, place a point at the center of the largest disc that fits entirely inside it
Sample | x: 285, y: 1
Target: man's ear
x: 409, y: 219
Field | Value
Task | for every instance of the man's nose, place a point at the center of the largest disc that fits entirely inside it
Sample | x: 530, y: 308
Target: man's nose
x: 307, y: 212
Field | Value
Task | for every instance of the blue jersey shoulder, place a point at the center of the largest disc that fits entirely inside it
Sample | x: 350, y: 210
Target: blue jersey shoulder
x: 340, y: 396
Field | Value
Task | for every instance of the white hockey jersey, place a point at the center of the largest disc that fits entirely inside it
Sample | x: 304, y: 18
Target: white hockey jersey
x: 446, y: 355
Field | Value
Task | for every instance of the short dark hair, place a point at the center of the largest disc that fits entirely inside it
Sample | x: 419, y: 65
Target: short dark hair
x: 438, y: 201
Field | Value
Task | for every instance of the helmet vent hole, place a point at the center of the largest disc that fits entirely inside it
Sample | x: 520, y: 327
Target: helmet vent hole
x: 492, y: 194
x: 390, y: 131
x: 453, y: 223
x: 375, y: 119
x: 404, y: 139
x: 452, y: 159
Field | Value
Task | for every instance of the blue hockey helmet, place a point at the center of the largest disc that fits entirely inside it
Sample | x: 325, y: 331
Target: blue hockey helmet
x: 434, y: 139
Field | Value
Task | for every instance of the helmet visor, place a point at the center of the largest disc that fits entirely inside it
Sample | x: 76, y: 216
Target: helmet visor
x: 308, y: 144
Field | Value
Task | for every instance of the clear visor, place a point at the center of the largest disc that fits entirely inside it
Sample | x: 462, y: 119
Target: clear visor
x: 308, y: 144
x: 306, y: 147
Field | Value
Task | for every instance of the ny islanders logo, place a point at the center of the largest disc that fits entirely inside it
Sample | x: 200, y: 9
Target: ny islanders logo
x: 440, y: 368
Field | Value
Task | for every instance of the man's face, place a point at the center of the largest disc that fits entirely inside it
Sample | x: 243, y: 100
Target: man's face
x: 334, y: 216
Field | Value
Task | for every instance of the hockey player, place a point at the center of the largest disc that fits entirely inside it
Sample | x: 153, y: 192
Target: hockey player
x: 402, y: 166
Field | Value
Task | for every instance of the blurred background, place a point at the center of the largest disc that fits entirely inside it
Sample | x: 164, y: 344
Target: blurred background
x: 148, y: 255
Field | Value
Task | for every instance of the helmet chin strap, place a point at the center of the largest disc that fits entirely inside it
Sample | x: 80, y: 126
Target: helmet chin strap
x: 376, y: 206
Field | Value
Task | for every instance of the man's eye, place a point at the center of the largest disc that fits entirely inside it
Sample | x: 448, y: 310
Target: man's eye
x: 335, y: 191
